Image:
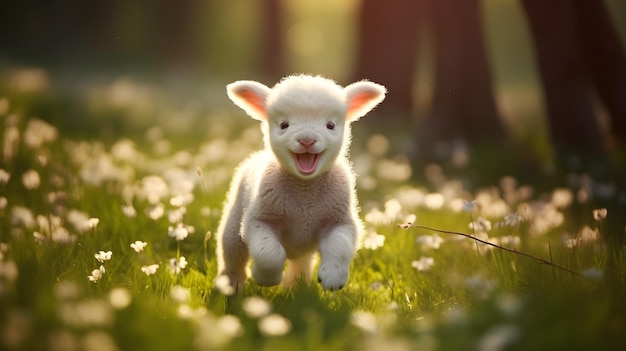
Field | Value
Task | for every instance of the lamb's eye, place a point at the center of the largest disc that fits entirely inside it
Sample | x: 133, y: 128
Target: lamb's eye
x: 330, y: 125
x: 284, y: 125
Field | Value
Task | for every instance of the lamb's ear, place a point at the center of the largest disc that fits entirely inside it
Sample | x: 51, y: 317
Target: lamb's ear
x: 362, y: 98
x: 251, y: 96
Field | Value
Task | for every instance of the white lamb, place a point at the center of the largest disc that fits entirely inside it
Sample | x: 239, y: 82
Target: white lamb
x: 297, y: 195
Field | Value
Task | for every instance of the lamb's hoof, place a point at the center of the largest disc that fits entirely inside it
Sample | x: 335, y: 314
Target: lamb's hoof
x: 332, y: 279
x: 267, y: 278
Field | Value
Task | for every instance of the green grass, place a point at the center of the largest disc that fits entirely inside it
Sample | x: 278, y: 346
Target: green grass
x: 470, y: 298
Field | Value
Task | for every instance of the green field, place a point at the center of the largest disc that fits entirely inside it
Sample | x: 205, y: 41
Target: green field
x: 124, y: 166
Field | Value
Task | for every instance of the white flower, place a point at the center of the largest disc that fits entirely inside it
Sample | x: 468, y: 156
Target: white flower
x: 499, y: 337
x: 434, y: 201
x: 570, y: 243
x: 92, y: 223
x: 230, y: 325
x: 98, y: 340
x: 120, y: 298
x: 180, y: 294
x: 177, y: 265
x: 81, y: 221
x: 588, y: 235
x: 178, y: 201
x: 22, y: 217
x: 274, y: 325
x: 423, y: 264
x: 96, y: 274
x: 375, y: 217
x: 512, y: 219
x: 481, y: 225
x: 155, y: 212
x: 392, y: 209
x: 365, y: 321
x: 176, y: 215
x: 408, y: 221
x: 373, y: 240
x: 8, y: 271
x: 150, y: 270
x: 562, y: 198
x: 11, y: 141
x: 222, y: 283
x: 593, y: 273
x: 600, y: 214
x: 429, y: 241
x: 38, y: 132
x: 3, y: 203
x: 256, y: 307
x: 469, y: 206
x: 138, y: 246
x: 102, y: 256
x: 153, y: 188
x: 31, y: 179
x: 125, y: 150
x: 4, y: 176
x: 129, y: 211
x: 179, y: 233
x: 510, y: 240
x: 480, y: 286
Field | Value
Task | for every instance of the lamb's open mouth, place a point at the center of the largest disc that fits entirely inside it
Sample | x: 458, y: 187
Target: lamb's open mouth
x: 307, y: 162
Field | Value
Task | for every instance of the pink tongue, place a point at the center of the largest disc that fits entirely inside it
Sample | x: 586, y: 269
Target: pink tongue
x: 306, y: 162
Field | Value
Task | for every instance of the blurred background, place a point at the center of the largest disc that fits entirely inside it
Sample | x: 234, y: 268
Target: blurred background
x: 213, y: 42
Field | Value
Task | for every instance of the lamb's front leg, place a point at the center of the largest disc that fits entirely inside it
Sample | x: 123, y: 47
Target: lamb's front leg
x: 268, y: 255
x: 336, y: 251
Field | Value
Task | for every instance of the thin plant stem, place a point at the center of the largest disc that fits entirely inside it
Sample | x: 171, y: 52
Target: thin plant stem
x: 474, y: 229
x: 542, y: 260
x: 550, y: 251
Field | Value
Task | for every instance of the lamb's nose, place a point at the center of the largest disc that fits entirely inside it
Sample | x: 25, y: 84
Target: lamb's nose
x: 307, y: 143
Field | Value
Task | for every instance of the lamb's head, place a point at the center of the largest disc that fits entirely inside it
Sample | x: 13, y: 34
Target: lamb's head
x: 306, y: 119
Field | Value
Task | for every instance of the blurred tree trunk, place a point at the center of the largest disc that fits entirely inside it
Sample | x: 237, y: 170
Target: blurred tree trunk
x: 387, y: 49
x: 566, y: 81
x: 463, y: 104
x: 176, y: 34
x: 604, y: 54
x: 272, y: 48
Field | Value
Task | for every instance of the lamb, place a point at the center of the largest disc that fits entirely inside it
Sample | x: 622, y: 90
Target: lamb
x: 297, y: 196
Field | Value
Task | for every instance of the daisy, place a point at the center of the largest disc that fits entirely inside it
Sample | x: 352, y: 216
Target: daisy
x: 481, y: 225
x: 423, y: 264
x: 150, y: 270
x: 138, y: 246
x: 4, y: 176
x: 96, y: 274
x: 176, y: 265
x: 373, y: 240
x: 31, y: 179
x: 179, y: 232
x: 600, y: 214
x: 429, y: 241
x: 274, y: 325
x: 469, y: 206
x: 102, y: 256
x: 222, y: 283
x: 129, y: 211
x: 512, y: 219
x: 256, y: 307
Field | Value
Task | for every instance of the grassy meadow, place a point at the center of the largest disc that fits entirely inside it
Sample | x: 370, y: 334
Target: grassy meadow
x: 110, y: 192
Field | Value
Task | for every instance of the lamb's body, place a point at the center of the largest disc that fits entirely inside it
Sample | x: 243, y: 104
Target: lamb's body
x: 294, y: 198
x: 300, y: 213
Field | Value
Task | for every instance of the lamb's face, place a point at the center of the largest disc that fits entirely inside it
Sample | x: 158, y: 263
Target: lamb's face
x: 306, y: 119
x: 307, y: 135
